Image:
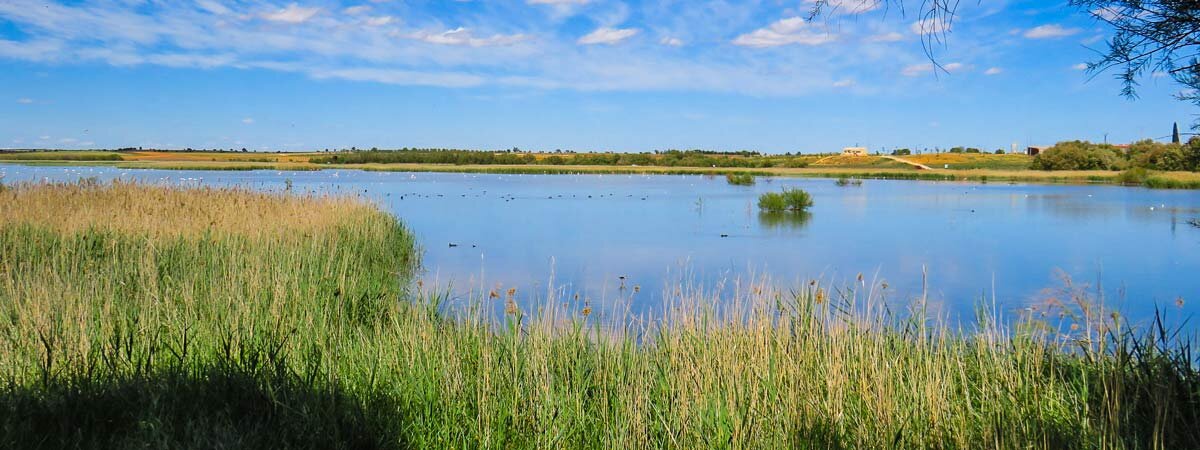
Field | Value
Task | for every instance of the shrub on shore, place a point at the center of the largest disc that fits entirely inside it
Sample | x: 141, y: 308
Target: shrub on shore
x: 1145, y: 154
x: 1133, y: 176
x: 790, y: 200
x: 1078, y: 155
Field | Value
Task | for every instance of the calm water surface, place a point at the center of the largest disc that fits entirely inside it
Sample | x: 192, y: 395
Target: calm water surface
x: 581, y: 233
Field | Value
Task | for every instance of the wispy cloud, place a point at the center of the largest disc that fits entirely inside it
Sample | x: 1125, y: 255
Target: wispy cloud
x: 847, y: 6
x: 608, y: 36
x: 793, y: 30
x: 927, y: 68
x: 993, y: 71
x: 1050, y: 31
x: 25, y: 101
x: 378, y: 21
x: 292, y: 13
x: 463, y: 36
x: 887, y: 37
x: 491, y: 44
x: 357, y: 10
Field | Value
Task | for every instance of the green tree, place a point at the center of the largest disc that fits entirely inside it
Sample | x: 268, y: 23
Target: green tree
x: 1191, y: 154
x: 1078, y: 155
x: 1153, y: 155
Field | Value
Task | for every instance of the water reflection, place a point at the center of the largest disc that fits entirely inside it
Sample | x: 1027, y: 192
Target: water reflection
x: 968, y: 240
x: 789, y: 221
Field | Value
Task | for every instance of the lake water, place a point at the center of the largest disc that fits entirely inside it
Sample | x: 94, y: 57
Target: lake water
x: 582, y: 233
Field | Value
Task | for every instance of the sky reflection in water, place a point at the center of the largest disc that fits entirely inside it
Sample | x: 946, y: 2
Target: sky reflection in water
x: 582, y: 233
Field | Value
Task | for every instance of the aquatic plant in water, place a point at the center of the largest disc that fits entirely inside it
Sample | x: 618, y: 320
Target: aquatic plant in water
x: 740, y: 179
x: 790, y: 199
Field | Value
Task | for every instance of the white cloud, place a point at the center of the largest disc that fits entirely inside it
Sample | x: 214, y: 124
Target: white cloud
x: 25, y: 101
x: 248, y: 121
x: 418, y: 50
x: 886, y: 37
x: 1050, y: 31
x: 357, y: 10
x: 558, y: 2
x: 378, y: 21
x: 42, y: 50
x: 1080, y: 66
x: 793, y: 30
x: 671, y: 41
x: 292, y: 13
x: 401, y: 77
x: 844, y: 83
x: 608, y: 36
x: 993, y: 71
x: 933, y: 25
x: 463, y: 37
x: 190, y: 60
x: 847, y: 6
x: 924, y: 68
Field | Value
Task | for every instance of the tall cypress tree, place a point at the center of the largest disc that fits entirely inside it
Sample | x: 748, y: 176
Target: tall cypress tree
x: 1175, y: 134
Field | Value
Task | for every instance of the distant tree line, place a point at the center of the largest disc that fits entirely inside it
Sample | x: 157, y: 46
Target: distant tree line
x: 668, y: 158
x: 1145, y: 154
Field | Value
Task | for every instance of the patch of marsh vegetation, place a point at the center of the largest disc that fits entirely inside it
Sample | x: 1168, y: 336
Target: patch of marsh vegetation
x: 739, y: 179
x: 844, y: 181
x: 140, y: 316
x: 788, y: 200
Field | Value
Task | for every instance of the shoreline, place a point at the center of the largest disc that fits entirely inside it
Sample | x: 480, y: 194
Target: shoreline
x: 1161, y: 180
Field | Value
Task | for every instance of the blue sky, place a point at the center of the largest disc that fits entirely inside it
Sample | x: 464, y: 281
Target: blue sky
x: 548, y: 74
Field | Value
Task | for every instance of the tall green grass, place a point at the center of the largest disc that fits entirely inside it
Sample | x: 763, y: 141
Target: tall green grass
x: 263, y: 321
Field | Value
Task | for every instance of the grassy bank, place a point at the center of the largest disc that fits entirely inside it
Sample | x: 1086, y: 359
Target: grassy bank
x: 138, y: 316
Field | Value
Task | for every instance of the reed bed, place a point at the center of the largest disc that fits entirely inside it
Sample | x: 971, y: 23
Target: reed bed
x: 117, y: 334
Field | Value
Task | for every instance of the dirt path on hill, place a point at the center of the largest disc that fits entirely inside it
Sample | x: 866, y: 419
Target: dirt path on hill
x: 919, y: 166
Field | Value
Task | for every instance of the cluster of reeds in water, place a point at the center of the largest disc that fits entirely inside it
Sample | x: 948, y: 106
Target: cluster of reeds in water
x: 266, y: 320
x: 740, y: 179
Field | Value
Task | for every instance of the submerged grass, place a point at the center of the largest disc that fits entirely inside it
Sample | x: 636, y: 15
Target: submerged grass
x: 228, y: 319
